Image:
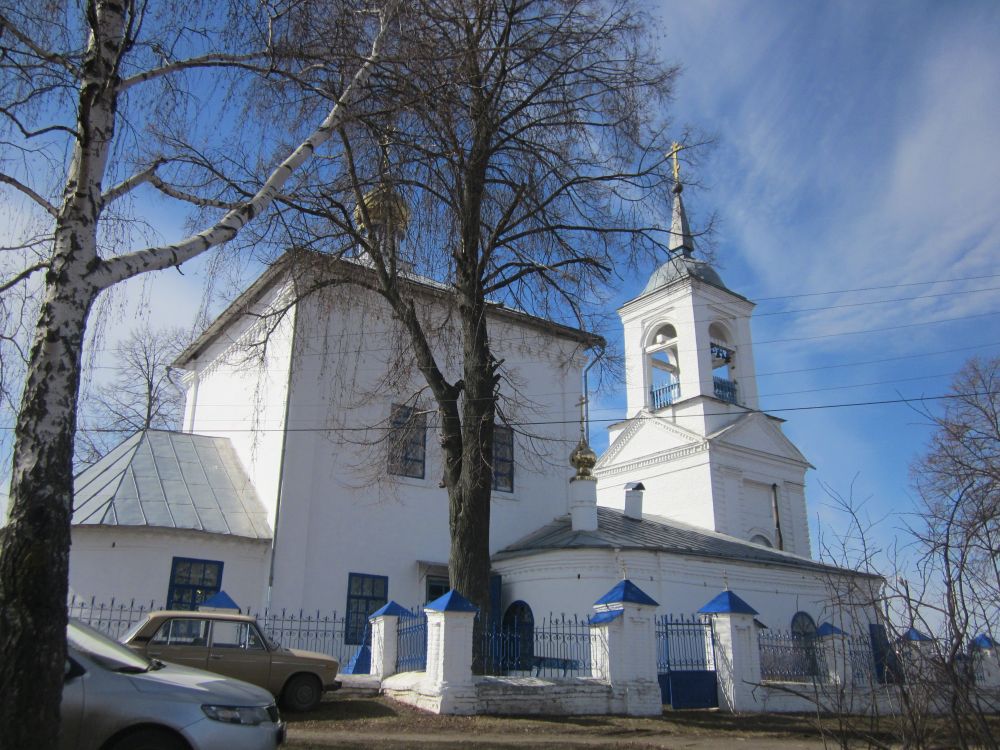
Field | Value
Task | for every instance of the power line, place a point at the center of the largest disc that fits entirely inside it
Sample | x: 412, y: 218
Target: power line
x: 877, y: 288
x: 516, y: 423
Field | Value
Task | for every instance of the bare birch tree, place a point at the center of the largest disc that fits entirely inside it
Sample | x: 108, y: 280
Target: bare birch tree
x: 523, y: 165
x: 93, y: 98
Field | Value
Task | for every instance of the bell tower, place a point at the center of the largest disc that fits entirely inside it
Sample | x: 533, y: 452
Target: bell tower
x: 688, y: 349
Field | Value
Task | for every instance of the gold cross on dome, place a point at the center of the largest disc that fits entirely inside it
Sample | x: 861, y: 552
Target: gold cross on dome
x: 675, y: 148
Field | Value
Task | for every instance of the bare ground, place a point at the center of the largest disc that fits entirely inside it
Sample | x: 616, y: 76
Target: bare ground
x: 368, y: 722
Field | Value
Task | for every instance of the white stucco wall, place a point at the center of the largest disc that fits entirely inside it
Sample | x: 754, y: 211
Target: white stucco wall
x: 340, y: 511
x: 570, y: 581
x: 134, y: 562
x: 237, y: 388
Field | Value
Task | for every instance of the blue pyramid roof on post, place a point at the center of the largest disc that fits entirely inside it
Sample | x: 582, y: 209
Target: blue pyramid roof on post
x: 452, y: 602
x: 220, y: 600
x: 914, y: 635
x: 727, y: 603
x: 828, y: 628
x: 626, y: 591
x: 983, y: 641
x: 392, y: 609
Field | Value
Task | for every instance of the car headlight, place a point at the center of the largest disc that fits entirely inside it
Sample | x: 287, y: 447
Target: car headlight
x: 252, y: 715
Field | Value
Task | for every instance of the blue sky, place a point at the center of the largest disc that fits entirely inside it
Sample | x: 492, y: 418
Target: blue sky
x: 856, y: 146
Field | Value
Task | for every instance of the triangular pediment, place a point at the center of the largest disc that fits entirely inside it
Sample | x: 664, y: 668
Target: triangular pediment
x: 646, y: 434
x: 758, y: 432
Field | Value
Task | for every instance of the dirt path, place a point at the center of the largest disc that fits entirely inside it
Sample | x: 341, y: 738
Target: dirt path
x: 314, y: 740
x: 367, y: 722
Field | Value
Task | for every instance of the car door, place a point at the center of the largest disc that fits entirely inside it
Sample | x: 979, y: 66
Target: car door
x: 72, y: 705
x: 181, y: 640
x: 238, y: 651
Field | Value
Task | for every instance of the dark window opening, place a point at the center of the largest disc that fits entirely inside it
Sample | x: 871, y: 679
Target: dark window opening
x: 437, y: 586
x: 407, y: 440
x: 519, y: 634
x: 503, y: 458
x: 365, y: 594
x: 192, y: 582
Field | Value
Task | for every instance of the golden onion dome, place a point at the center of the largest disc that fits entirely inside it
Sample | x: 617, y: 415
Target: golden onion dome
x: 583, y: 459
x: 385, y: 207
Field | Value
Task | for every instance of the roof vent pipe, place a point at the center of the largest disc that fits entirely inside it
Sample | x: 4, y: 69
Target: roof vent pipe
x: 633, y: 500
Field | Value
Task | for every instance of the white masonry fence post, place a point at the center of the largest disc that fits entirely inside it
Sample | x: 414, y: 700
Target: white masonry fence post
x: 623, y: 649
x: 737, y: 652
x: 450, y: 621
x: 385, y: 624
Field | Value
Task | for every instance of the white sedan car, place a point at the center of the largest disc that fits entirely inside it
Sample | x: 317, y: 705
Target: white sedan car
x: 115, y: 699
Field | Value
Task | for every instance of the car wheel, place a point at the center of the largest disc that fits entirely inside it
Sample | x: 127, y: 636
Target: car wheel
x: 302, y: 693
x: 149, y: 739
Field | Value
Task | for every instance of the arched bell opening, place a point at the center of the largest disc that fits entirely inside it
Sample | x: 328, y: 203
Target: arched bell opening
x: 662, y: 368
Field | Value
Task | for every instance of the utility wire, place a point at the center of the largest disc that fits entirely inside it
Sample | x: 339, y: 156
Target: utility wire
x: 516, y: 423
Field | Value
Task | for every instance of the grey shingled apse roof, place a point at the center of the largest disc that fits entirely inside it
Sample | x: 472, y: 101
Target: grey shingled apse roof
x: 654, y: 533
x: 171, y: 480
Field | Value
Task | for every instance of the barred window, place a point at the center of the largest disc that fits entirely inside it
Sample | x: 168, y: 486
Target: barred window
x: 503, y: 458
x: 407, y: 433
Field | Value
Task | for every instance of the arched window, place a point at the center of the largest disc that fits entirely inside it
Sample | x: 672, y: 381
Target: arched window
x: 662, y: 366
x: 761, y: 540
x: 803, y: 624
x: 723, y: 363
x: 518, y: 643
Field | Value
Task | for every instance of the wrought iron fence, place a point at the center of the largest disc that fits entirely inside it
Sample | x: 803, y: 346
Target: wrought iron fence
x: 411, y: 642
x: 861, y: 659
x: 114, y: 618
x: 555, y: 647
x: 684, y: 644
x: 664, y: 395
x: 308, y: 631
x: 787, y: 657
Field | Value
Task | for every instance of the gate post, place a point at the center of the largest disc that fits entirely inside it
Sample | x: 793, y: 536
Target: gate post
x: 623, y: 649
x: 384, y: 623
x: 832, y: 644
x: 450, y: 620
x: 737, y: 652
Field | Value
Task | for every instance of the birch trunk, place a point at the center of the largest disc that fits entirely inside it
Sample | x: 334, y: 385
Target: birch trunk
x: 34, y: 546
x: 34, y: 559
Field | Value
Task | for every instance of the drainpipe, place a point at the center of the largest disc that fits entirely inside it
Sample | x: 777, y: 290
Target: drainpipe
x: 777, y: 517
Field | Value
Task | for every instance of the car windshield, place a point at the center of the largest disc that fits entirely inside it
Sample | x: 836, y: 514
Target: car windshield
x: 103, y: 650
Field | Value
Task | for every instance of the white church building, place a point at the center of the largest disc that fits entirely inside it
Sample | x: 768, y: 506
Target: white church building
x: 307, y: 475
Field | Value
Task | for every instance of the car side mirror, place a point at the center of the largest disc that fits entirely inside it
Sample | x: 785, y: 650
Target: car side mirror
x: 72, y: 670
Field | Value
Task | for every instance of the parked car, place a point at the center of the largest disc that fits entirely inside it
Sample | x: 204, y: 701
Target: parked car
x: 235, y: 646
x: 115, y: 699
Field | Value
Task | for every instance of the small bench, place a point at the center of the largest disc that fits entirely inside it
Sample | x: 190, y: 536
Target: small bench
x: 538, y: 663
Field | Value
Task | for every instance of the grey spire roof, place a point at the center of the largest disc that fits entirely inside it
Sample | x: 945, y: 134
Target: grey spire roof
x: 655, y: 534
x: 173, y: 480
x: 680, y: 232
x: 681, y: 264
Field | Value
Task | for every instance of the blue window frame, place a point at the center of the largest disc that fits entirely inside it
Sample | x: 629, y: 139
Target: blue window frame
x: 193, y: 581
x: 365, y: 594
x: 407, y: 440
x: 503, y: 458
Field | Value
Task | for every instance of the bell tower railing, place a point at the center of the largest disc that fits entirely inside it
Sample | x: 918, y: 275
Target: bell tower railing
x: 664, y: 395
x: 726, y: 390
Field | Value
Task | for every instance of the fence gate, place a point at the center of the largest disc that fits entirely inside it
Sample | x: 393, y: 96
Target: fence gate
x: 685, y: 662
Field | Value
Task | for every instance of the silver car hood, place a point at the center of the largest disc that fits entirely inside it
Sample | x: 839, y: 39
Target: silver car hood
x: 217, y: 689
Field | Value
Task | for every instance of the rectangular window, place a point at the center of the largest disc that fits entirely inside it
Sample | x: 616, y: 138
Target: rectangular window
x: 437, y: 586
x: 192, y: 582
x: 503, y: 458
x: 365, y: 594
x: 407, y: 433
